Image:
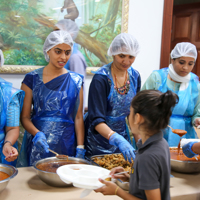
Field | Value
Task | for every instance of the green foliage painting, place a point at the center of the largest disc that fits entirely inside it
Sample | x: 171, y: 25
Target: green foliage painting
x: 24, y: 25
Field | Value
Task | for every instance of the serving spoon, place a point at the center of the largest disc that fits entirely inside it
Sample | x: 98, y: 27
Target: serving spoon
x: 178, y: 131
x: 58, y: 155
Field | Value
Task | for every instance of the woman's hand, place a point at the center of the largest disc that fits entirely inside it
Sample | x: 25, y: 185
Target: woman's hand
x: 123, y: 177
x: 124, y: 146
x: 40, y: 141
x: 108, y: 189
x: 197, y: 122
x: 10, y: 152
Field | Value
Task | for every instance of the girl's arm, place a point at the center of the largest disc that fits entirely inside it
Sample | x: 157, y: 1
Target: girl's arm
x: 150, y: 195
x: 26, y: 111
x: 111, y: 188
x: 153, y: 194
x: 79, y: 124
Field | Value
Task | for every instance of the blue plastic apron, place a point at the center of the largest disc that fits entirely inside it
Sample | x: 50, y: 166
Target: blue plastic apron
x: 7, y: 92
x: 54, y: 114
x: 182, y: 113
x: 118, y: 109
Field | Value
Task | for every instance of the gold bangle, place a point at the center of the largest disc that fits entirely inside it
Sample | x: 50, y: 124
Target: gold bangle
x: 111, y: 133
x: 116, y: 190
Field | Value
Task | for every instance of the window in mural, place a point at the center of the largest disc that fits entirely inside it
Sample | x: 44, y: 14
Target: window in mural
x: 24, y: 25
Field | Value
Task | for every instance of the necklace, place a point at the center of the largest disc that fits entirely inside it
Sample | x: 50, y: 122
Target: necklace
x: 122, y: 89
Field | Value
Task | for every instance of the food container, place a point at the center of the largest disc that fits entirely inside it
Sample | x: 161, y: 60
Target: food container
x: 11, y: 171
x: 83, y: 176
x: 184, y: 166
x: 51, y: 178
x: 112, y: 160
x: 121, y: 184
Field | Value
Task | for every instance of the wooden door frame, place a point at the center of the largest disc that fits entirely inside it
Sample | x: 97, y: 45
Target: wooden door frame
x: 166, y: 33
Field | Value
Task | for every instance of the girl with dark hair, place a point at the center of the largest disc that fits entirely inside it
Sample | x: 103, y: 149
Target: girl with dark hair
x: 150, y: 176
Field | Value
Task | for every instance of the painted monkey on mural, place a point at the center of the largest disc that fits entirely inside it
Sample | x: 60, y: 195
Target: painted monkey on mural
x: 72, y: 11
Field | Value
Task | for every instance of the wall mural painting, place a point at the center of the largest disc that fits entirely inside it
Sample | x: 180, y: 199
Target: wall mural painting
x: 24, y: 25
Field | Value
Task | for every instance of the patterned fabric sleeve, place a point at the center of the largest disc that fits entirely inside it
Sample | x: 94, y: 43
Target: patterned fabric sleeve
x: 153, y: 82
x: 13, y: 113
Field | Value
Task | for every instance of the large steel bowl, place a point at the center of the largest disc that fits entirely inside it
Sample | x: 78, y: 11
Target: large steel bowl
x: 185, y: 166
x: 51, y: 178
x: 11, y: 171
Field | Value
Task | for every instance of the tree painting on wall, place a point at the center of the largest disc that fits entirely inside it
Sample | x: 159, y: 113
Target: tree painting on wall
x: 24, y: 25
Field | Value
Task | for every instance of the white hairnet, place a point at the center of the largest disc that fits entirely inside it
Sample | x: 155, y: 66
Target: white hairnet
x: 184, y: 49
x: 1, y: 58
x: 55, y: 38
x: 69, y: 26
x: 124, y: 43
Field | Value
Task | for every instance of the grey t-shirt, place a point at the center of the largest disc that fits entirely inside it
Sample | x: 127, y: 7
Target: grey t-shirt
x: 151, y: 169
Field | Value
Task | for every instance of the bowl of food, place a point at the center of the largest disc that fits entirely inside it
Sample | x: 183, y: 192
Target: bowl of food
x: 46, y: 169
x: 183, y: 164
x: 7, y: 172
x: 109, y: 161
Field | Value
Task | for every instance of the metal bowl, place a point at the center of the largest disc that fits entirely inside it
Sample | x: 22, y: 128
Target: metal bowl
x: 11, y: 171
x: 185, y: 166
x: 51, y: 178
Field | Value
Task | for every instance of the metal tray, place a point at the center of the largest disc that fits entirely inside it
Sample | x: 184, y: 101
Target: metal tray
x: 102, y: 155
x: 185, y: 166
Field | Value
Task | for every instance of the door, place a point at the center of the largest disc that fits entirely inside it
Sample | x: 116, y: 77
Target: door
x: 186, y: 28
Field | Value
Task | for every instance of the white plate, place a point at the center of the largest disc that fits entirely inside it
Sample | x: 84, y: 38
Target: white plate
x: 82, y: 176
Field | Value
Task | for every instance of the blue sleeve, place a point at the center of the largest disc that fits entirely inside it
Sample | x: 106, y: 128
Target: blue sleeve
x: 153, y: 82
x: 97, y: 101
x: 13, y: 112
x: 77, y: 64
x: 28, y: 80
x: 139, y: 83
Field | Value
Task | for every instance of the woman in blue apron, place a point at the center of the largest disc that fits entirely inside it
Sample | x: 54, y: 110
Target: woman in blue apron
x: 77, y: 62
x: 111, y: 91
x: 179, y: 78
x: 11, y: 101
x: 56, y: 94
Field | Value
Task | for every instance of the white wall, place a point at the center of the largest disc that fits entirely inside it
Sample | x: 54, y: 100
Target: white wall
x: 145, y: 23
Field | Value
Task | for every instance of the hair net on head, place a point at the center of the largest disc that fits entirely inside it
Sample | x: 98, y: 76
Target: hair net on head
x: 69, y: 26
x: 55, y: 38
x: 124, y: 43
x: 1, y: 58
x: 185, y: 49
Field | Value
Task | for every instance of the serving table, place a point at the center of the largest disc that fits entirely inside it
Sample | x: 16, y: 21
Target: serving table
x: 185, y: 186
x: 27, y: 185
